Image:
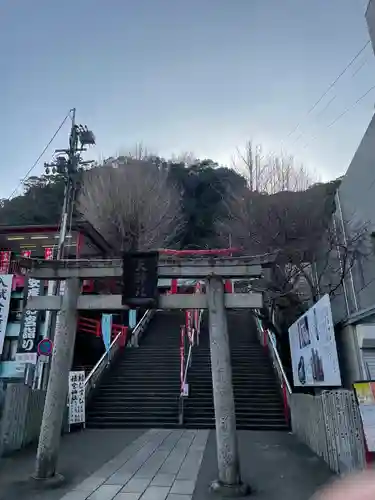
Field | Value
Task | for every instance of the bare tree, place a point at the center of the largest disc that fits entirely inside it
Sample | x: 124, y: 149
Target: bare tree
x: 132, y: 204
x: 300, y: 228
x: 271, y: 173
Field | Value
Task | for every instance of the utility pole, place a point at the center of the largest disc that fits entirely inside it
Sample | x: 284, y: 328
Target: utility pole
x: 62, y: 328
x: 229, y: 481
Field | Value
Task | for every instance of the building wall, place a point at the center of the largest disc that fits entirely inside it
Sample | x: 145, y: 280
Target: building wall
x: 370, y: 19
x: 356, y: 196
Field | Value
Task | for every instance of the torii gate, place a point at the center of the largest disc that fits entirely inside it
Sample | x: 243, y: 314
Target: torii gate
x: 214, y: 271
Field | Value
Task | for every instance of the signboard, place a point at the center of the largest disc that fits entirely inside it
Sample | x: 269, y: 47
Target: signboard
x: 140, y: 279
x: 4, y: 261
x: 76, y: 397
x: 45, y: 347
x: 365, y: 394
x: 313, y: 348
x: 30, y: 324
x: 5, y: 295
x: 48, y: 253
x: 26, y: 254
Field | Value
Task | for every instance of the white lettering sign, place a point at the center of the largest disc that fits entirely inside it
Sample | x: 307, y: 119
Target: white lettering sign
x: 76, y: 397
x: 28, y: 338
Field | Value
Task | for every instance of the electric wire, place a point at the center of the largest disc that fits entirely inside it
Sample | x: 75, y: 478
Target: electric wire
x: 330, y: 87
x: 39, y: 157
x: 343, y: 113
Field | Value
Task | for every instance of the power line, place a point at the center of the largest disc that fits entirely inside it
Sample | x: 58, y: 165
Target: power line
x: 349, y: 108
x: 40, y: 156
x: 330, y: 86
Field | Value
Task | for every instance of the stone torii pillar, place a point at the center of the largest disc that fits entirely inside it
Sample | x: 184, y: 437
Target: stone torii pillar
x: 229, y: 481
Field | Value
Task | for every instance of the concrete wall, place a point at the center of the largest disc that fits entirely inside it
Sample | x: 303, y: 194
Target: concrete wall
x: 330, y: 424
x: 21, y: 417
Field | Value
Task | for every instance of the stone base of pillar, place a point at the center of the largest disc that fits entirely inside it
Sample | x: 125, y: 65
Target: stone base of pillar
x: 49, y: 483
x: 230, y: 490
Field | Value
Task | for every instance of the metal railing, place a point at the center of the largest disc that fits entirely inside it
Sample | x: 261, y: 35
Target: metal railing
x: 193, y: 340
x: 285, y: 386
x: 103, y: 363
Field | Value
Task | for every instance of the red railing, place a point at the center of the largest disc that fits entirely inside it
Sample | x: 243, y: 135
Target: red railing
x: 89, y: 325
x: 217, y: 251
x: 94, y: 327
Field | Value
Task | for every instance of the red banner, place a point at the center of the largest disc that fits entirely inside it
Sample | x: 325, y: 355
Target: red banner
x: 48, y: 253
x: 5, y: 261
x: 182, y: 356
x: 26, y: 254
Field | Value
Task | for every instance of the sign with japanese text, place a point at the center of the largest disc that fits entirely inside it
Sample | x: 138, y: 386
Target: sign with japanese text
x: 30, y: 324
x: 4, y: 261
x: 140, y: 279
x: 5, y: 294
x: 76, y: 397
x: 48, y: 253
x: 26, y: 254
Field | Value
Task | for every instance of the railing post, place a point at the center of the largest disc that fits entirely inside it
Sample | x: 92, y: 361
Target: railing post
x: 229, y: 482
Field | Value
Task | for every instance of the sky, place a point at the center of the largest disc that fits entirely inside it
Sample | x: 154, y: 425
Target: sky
x: 201, y: 76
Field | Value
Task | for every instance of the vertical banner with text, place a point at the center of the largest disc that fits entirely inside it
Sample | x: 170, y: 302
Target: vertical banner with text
x: 30, y: 325
x: 5, y: 295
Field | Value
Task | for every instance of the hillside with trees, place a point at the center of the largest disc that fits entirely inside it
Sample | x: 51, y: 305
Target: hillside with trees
x: 263, y: 204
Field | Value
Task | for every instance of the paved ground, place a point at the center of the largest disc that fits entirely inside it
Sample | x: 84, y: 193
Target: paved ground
x: 81, y: 454
x: 274, y: 464
x: 167, y: 465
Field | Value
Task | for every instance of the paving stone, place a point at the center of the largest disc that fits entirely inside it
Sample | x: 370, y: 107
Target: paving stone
x: 163, y: 480
x: 136, y: 485
x: 172, y: 496
x: 127, y: 496
x: 105, y: 492
x: 155, y: 493
x: 177, y: 456
x: 116, y: 463
x: 183, y: 487
x: 119, y: 478
x: 75, y: 495
x: 153, y: 464
x: 90, y: 484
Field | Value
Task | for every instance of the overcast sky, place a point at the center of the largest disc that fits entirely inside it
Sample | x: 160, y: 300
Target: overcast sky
x: 184, y: 75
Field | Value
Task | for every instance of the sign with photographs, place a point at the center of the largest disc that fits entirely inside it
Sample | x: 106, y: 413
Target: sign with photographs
x: 313, y: 348
x: 30, y: 324
x: 76, y: 397
x: 140, y: 279
x: 5, y: 295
